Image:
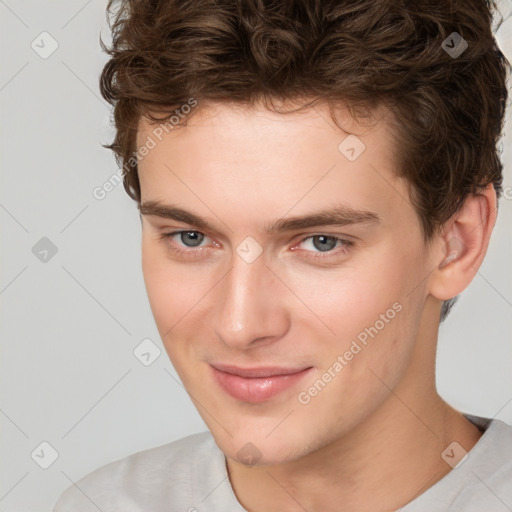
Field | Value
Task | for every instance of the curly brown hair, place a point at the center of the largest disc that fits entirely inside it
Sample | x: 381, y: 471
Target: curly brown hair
x: 447, y: 108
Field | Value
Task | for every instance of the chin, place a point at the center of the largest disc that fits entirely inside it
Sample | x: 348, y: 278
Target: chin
x: 255, y: 448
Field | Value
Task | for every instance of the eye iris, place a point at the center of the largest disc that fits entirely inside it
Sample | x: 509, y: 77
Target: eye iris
x: 194, y: 236
x: 331, y: 242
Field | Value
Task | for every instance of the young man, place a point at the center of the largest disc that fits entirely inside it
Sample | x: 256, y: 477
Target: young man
x: 317, y: 182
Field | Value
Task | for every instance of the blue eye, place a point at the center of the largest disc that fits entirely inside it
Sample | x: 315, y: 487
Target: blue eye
x: 190, y: 243
x: 321, y: 246
x: 323, y: 243
x: 324, y: 246
x: 195, y: 237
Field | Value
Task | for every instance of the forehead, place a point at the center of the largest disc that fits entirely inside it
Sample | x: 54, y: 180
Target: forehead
x: 268, y: 160
x: 256, y: 138
x: 234, y: 122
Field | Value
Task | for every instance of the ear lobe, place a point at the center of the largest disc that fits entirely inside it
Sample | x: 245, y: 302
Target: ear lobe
x: 463, y: 244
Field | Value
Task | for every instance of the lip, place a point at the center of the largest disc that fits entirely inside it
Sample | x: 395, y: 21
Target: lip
x: 256, y: 385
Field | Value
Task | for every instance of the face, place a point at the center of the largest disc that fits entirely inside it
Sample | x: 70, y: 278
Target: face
x: 276, y: 313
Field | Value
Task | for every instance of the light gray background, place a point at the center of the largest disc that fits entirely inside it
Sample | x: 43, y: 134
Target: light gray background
x: 69, y: 325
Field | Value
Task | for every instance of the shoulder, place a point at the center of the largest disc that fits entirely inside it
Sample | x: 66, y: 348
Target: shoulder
x: 163, y: 474
x: 495, y: 457
x: 481, y: 481
x: 487, y: 473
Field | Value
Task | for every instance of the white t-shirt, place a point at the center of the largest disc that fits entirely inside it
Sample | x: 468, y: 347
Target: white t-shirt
x: 190, y: 475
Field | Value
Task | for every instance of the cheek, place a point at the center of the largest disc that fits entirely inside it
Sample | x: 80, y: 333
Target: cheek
x: 174, y: 291
x: 350, y: 298
x: 362, y: 312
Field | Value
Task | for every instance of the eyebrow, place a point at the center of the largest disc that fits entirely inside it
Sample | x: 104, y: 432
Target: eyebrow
x: 337, y: 216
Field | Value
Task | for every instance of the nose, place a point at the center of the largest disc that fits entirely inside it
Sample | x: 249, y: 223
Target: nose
x: 252, y: 308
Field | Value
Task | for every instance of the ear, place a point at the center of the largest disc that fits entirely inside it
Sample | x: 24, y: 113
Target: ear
x: 460, y: 248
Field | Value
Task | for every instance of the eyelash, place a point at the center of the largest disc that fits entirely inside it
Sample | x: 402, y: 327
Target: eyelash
x: 197, y: 252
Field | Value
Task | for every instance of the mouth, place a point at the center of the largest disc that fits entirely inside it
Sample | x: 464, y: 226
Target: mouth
x: 256, y: 385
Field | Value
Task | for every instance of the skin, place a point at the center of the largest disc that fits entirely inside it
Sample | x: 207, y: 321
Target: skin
x: 372, y: 438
